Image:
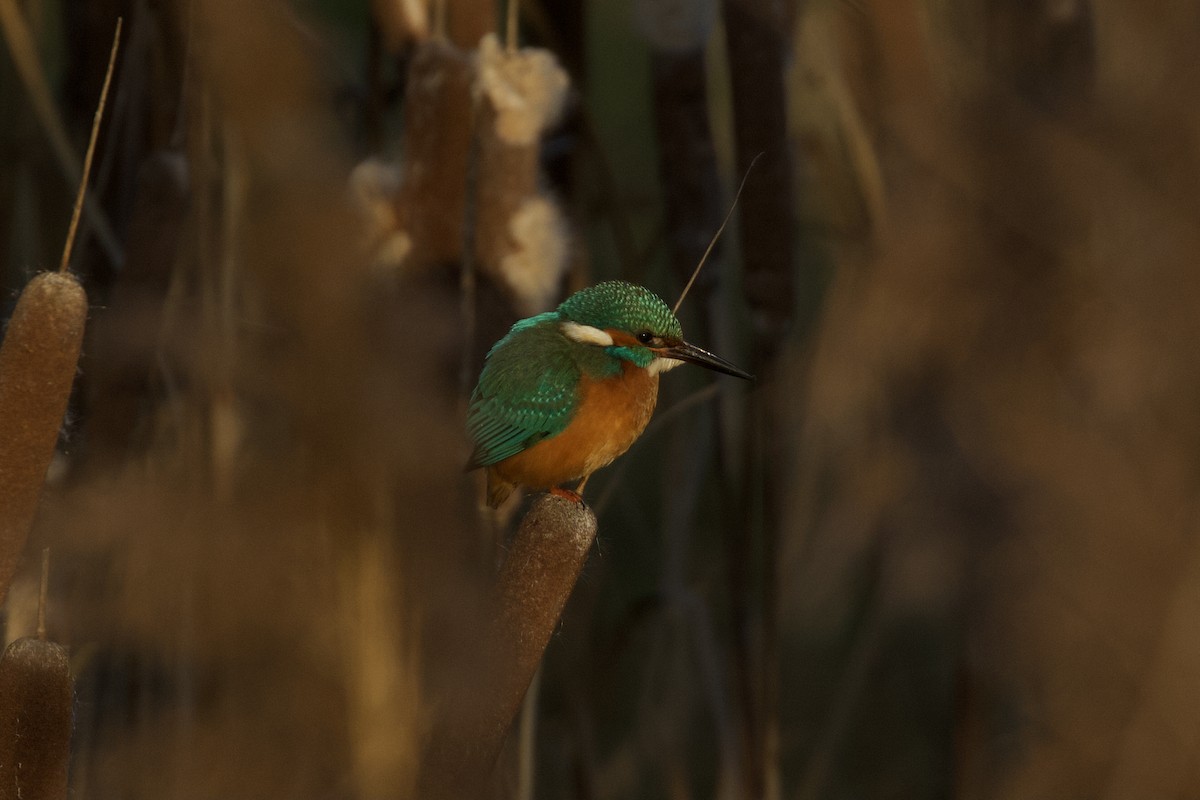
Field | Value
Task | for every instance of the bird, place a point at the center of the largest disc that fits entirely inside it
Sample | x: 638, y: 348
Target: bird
x: 564, y: 393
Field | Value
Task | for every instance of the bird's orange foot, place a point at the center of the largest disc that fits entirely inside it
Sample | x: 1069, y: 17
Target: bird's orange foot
x: 567, y: 494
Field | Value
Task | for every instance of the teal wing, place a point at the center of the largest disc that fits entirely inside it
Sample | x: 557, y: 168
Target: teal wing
x: 528, y: 391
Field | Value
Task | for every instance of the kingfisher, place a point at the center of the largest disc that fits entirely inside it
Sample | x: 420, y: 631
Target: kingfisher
x: 566, y: 392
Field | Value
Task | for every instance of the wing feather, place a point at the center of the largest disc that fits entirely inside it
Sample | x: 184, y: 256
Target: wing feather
x: 527, y: 392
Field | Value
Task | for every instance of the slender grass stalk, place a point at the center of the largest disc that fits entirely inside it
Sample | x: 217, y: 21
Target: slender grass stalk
x: 42, y: 594
x: 713, y: 242
x: 91, y: 151
x: 24, y: 54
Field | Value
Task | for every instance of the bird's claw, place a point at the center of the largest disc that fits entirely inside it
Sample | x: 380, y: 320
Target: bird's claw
x: 567, y: 494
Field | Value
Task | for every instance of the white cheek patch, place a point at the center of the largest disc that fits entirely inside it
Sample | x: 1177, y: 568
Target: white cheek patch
x: 662, y: 365
x: 586, y: 334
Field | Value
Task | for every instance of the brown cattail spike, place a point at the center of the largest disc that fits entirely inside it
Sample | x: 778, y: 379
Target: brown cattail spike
x: 542, y: 566
x: 38, y: 360
x: 35, y: 720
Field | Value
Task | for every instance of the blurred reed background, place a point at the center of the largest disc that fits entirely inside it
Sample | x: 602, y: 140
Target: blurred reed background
x: 943, y: 547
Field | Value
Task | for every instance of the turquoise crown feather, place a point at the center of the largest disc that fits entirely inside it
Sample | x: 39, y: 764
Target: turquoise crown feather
x: 621, y: 305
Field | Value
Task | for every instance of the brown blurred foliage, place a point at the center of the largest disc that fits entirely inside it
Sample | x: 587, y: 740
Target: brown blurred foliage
x: 228, y: 572
x: 999, y: 439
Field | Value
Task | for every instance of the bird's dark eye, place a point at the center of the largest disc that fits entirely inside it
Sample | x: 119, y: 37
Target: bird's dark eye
x: 645, y: 337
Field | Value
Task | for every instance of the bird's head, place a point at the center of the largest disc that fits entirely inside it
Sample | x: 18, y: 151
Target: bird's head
x: 633, y: 324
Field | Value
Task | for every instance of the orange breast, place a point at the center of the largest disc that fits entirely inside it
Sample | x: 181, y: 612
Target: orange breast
x: 612, y: 414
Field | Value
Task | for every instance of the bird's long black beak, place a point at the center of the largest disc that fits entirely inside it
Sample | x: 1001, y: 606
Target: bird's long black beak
x: 683, y: 351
